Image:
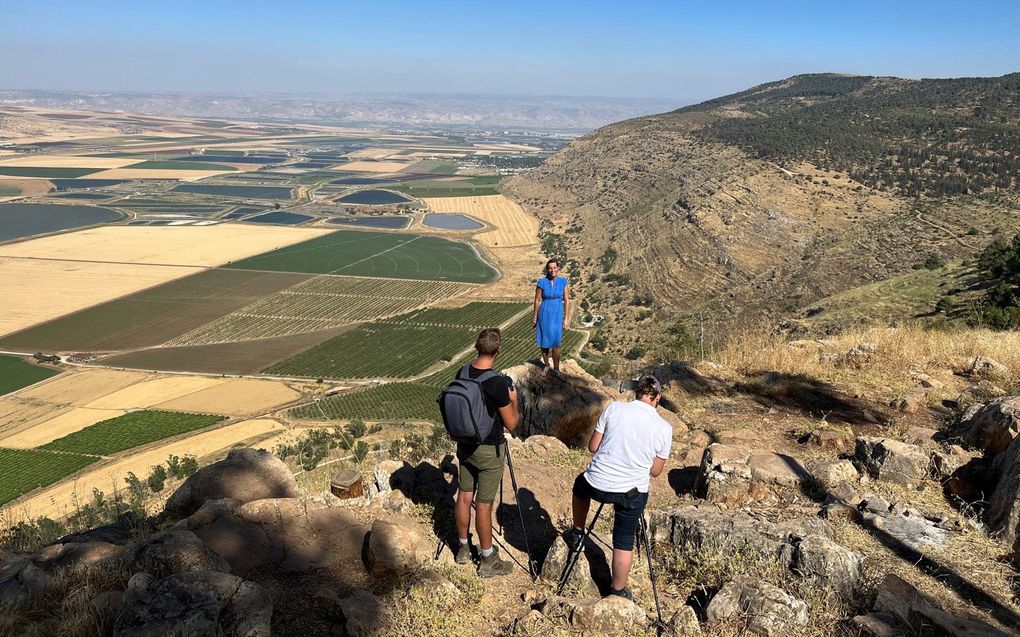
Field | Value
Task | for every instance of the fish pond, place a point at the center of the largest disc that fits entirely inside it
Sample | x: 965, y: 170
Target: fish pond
x: 447, y: 221
x: 277, y: 217
x: 374, y: 197
x: 246, y: 192
x: 20, y: 220
x: 387, y: 222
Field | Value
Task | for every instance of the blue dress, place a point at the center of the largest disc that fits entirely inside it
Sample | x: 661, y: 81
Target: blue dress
x: 549, y: 328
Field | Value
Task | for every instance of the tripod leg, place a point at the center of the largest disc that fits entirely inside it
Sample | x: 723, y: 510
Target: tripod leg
x: 520, y: 512
x: 574, y: 553
x: 651, y: 569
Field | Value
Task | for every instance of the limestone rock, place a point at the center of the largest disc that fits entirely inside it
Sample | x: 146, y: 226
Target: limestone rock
x: 921, y: 436
x: 769, y: 610
x: 740, y: 436
x: 891, y: 460
x: 685, y: 623
x: 831, y: 440
x: 75, y: 555
x: 700, y: 439
x: 1003, y: 512
x: 363, y: 613
x: 196, y: 603
x: 992, y: 427
x: 580, y: 578
x: 987, y: 367
x: 178, y: 550
x: 383, y: 474
x: 732, y: 474
x: 545, y: 445
x: 675, y: 421
x: 910, y: 403
x: 878, y: 625
x: 565, y: 406
x: 244, y: 475
x: 610, y: 615
x: 829, y: 473
x: 20, y: 579
x: 831, y: 566
x: 922, y: 614
x: 392, y: 548
x: 947, y: 462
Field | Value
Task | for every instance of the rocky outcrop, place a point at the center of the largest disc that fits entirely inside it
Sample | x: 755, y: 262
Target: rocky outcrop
x: 244, y: 475
x: 393, y: 549
x: 992, y: 427
x: 805, y: 545
x: 1003, y: 513
x: 20, y: 580
x: 565, y: 406
x: 195, y: 603
x: 580, y: 582
x: 891, y: 460
x: 901, y: 606
x: 735, y: 474
x: 178, y: 550
x: 766, y: 610
x: 611, y: 615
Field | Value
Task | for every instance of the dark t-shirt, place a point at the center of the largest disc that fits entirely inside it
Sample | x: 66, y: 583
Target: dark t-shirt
x: 497, y: 395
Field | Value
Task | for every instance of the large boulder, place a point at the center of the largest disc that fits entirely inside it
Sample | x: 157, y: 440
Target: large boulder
x: 766, y: 609
x: 393, y: 548
x: 195, y: 603
x: 803, y: 544
x: 177, y: 550
x: 992, y: 427
x: 292, y: 535
x: 736, y: 475
x: 565, y: 406
x: 76, y: 555
x: 892, y: 461
x: 20, y: 580
x: 244, y: 475
x: 611, y: 615
x: 923, y: 615
x: 580, y: 582
x: 1003, y: 513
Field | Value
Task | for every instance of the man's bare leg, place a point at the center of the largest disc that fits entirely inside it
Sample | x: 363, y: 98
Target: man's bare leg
x: 580, y: 507
x: 621, y: 568
x: 462, y: 513
x: 483, y: 524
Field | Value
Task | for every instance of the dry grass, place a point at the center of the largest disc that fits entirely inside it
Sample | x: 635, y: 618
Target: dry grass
x: 155, y: 173
x: 238, y: 397
x: 67, y: 161
x: 898, y: 350
x: 513, y: 226
x: 372, y: 166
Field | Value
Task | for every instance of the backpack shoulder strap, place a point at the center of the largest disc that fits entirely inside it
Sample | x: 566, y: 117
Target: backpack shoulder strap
x: 464, y: 373
x: 486, y: 375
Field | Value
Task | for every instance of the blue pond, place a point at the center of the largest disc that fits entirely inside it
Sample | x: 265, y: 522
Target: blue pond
x: 285, y: 218
x: 374, y: 198
x: 19, y: 220
x: 391, y: 223
x: 446, y: 221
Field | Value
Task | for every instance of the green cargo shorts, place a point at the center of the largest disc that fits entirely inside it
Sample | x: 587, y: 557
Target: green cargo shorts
x: 481, y: 470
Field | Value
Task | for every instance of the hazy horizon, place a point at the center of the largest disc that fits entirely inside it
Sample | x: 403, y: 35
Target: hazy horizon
x: 666, y: 51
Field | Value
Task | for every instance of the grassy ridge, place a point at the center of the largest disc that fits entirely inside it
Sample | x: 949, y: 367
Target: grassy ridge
x: 16, y: 373
x: 131, y: 430
x: 22, y: 470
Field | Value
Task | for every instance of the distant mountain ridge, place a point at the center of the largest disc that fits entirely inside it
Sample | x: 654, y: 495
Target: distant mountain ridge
x: 747, y: 208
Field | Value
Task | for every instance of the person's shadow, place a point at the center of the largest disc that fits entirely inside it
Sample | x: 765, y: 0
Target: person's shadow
x: 537, y: 524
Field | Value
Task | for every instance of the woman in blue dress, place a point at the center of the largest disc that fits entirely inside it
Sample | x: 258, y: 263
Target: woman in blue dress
x: 552, y: 312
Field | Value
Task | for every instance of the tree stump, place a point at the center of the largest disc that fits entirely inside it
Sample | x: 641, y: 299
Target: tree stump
x: 347, y: 484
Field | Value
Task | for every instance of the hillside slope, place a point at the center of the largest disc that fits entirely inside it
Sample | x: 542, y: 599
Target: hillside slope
x: 711, y: 213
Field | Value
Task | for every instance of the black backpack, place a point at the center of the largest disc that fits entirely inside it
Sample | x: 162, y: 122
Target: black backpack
x: 462, y: 405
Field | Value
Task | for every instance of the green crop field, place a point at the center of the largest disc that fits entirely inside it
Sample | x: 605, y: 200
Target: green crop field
x: 477, y: 314
x: 156, y: 315
x: 468, y: 187
x: 377, y: 254
x: 131, y: 430
x: 46, y: 173
x: 379, y: 350
x: 417, y: 400
x: 169, y: 164
x: 16, y: 373
x: 22, y: 470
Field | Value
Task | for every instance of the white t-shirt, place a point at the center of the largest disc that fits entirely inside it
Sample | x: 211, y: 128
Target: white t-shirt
x: 633, y: 435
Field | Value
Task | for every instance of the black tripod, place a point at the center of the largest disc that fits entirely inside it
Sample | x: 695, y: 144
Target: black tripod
x: 575, y: 552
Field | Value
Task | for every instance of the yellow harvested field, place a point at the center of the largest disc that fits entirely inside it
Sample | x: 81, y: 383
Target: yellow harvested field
x: 37, y: 290
x: 513, y: 226
x: 18, y: 414
x: 372, y: 166
x: 58, y: 501
x: 204, y: 246
x: 154, y: 391
x: 289, y: 437
x: 235, y: 397
x: 28, y: 186
x: 67, y: 161
x: 64, y: 424
x: 371, y: 153
x: 155, y: 173
x: 81, y: 387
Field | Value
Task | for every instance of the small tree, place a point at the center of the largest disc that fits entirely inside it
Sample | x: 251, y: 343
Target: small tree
x: 157, y: 479
x: 360, y: 451
x: 356, y: 428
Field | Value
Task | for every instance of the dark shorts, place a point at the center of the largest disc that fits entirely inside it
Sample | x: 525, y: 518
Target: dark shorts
x: 627, y: 509
x: 481, y: 470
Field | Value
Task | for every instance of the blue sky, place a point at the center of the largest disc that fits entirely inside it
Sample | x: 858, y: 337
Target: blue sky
x: 685, y: 51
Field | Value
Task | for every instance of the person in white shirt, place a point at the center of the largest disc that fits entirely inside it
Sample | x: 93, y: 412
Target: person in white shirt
x: 631, y: 443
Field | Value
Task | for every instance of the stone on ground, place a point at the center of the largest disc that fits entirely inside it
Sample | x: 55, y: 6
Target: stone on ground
x: 767, y: 610
x: 610, y: 615
x: 580, y: 582
x: 1003, y: 512
x: 923, y: 615
x: 892, y: 461
x: 992, y: 427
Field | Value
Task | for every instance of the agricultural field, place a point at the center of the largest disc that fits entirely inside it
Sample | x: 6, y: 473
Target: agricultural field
x: 22, y: 470
x: 381, y: 167
x: 19, y: 220
x: 16, y: 373
x: 377, y: 254
x: 321, y: 303
x: 156, y: 315
x: 179, y: 165
x: 204, y: 246
x: 131, y: 430
x: 513, y: 226
x: 465, y: 187
x: 44, y: 172
x: 379, y: 350
x: 477, y: 315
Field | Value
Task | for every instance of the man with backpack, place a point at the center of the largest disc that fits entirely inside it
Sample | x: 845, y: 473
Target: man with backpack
x: 476, y: 407
x: 631, y: 444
